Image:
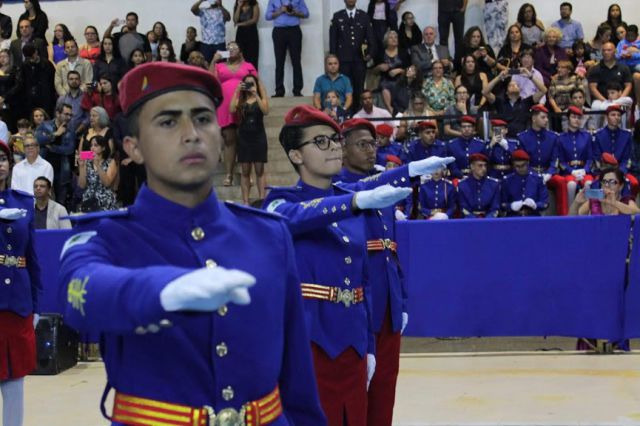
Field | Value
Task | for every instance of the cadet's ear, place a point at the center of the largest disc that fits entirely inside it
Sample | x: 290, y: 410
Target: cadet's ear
x: 295, y: 156
x: 130, y: 145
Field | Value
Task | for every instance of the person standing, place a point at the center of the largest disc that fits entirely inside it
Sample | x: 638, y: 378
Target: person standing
x: 246, y: 14
x: 128, y: 39
x: 19, y: 294
x: 496, y: 16
x: 286, y: 35
x: 451, y: 12
x: 571, y: 29
x: 213, y: 16
x: 203, y: 313
x: 72, y: 62
x: 39, y: 20
x: 351, y: 40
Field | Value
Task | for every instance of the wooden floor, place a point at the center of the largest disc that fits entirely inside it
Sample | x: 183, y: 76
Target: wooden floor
x: 517, y: 388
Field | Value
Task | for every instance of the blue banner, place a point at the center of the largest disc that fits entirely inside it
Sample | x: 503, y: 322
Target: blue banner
x: 516, y: 277
x: 48, y: 248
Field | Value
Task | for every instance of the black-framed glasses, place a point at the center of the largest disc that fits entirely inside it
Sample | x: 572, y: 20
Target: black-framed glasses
x: 323, y: 142
x: 610, y: 182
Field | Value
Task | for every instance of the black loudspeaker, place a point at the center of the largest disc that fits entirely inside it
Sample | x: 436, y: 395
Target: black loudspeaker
x: 56, y: 346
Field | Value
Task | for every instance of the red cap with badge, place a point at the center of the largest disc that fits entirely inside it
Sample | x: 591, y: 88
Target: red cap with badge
x: 498, y: 123
x: 614, y: 108
x: 478, y: 157
x: 393, y: 159
x: 575, y: 110
x: 427, y: 124
x: 519, y: 155
x: 539, y: 108
x: 610, y: 159
x: 384, y: 130
x: 305, y: 116
x: 358, y: 123
x: 152, y: 79
x: 468, y: 119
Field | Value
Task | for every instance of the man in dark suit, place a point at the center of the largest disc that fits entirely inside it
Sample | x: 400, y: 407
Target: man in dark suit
x: 425, y: 54
x: 26, y: 37
x: 6, y: 25
x: 351, y: 40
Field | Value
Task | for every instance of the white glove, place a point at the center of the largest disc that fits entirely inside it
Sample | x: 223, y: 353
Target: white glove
x: 516, y: 206
x: 545, y: 178
x: 439, y: 216
x: 424, y: 179
x: 504, y: 144
x: 371, y: 368
x: 379, y: 168
x: 12, y: 214
x: 530, y: 203
x: 405, y: 321
x: 400, y: 215
x: 36, y: 320
x: 207, y: 289
x: 429, y: 165
x: 579, y: 174
x: 382, y: 196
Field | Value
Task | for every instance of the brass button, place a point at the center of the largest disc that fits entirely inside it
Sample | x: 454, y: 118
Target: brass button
x: 345, y: 239
x: 165, y: 323
x: 334, y: 224
x: 2, y: 201
x: 347, y: 260
x: 222, y: 310
x: 197, y: 234
x: 7, y: 281
x: 227, y: 393
x: 210, y: 263
x: 9, y: 230
x: 347, y: 281
x: 222, y: 350
x: 343, y: 207
x: 153, y: 328
x: 141, y: 330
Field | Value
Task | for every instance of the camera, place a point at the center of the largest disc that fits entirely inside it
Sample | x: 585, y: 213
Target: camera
x: 248, y: 85
x: 93, y: 85
x: 289, y: 8
x: 514, y: 71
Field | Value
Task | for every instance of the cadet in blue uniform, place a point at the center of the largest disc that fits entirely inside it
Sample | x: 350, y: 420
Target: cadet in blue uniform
x: 386, y: 147
x: 20, y: 291
x: 478, y: 194
x: 617, y: 141
x: 523, y: 192
x: 198, y: 302
x: 542, y: 145
x: 500, y: 149
x: 437, y: 198
x: 388, y: 287
x: 330, y: 239
x: 575, y: 154
x: 426, y: 145
x: 461, y: 148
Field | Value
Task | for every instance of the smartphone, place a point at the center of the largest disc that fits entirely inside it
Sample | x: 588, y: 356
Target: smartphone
x: 224, y: 54
x: 327, y: 104
x: 497, y: 131
x: 594, y: 194
x: 87, y: 155
x: 514, y: 71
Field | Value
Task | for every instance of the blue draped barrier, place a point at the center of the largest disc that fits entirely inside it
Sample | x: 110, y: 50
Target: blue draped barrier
x: 561, y: 276
x: 48, y: 247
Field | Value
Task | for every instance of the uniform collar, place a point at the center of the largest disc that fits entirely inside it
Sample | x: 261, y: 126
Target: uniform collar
x: 150, y: 205
x: 345, y: 173
x: 315, y: 191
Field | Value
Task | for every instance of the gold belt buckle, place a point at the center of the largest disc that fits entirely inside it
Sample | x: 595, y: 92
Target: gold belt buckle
x: 226, y: 417
x: 345, y: 296
x: 10, y: 261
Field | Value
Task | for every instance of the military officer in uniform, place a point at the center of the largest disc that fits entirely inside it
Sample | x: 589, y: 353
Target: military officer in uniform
x: 329, y: 228
x: 617, y: 141
x: 386, y: 146
x: 198, y: 302
x: 20, y: 291
x: 351, y: 40
x: 500, y: 149
x: 575, y: 154
x: 426, y: 145
x: 542, y: 145
x: 462, y: 147
x: 523, y: 192
x: 388, y: 288
x: 437, y: 198
x: 479, y: 194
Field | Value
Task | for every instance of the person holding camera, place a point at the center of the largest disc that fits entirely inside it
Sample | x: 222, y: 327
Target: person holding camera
x: 609, y: 200
x: 501, y: 148
x: 104, y: 94
x: 250, y: 104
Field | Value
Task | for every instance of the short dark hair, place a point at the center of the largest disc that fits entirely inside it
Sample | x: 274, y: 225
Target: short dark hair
x: 632, y: 29
x: 134, y: 15
x: 290, y: 138
x: 577, y: 90
x: 24, y: 122
x: 615, y: 85
x: 28, y: 50
x: 44, y: 179
x: 61, y: 106
x: 72, y: 40
x: 132, y: 122
x: 75, y: 73
x: 567, y: 4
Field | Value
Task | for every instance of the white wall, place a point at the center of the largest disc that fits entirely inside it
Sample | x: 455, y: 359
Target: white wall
x: 176, y: 16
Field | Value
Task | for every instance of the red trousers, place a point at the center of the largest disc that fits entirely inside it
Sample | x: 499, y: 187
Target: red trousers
x: 342, y: 385
x: 559, y: 186
x: 17, y: 346
x: 382, y: 389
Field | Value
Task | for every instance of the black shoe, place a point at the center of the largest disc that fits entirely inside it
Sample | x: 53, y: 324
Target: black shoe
x: 297, y: 94
x: 278, y: 95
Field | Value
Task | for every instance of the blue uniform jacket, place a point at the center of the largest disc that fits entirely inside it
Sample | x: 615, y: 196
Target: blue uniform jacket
x: 617, y: 142
x: 500, y: 159
x: 479, y: 198
x: 392, y: 149
x: 437, y: 195
x: 20, y: 288
x: 461, y: 149
x: 114, y: 269
x: 518, y: 188
x: 575, y: 148
x: 543, y: 148
x: 386, y: 281
x: 416, y: 150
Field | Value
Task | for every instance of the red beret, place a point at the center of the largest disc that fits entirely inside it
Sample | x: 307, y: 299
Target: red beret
x: 393, y: 159
x: 575, y: 110
x: 539, y: 108
x: 520, y: 155
x: 468, y: 119
x: 610, y: 159
x: 614, y: 107
x: 153, y: 79
x: 498, y: 123
x: 478, y: 157
x: 305, y: 115
x: 427, y: 124
x: 384, y: 130
x: 358, y: 123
